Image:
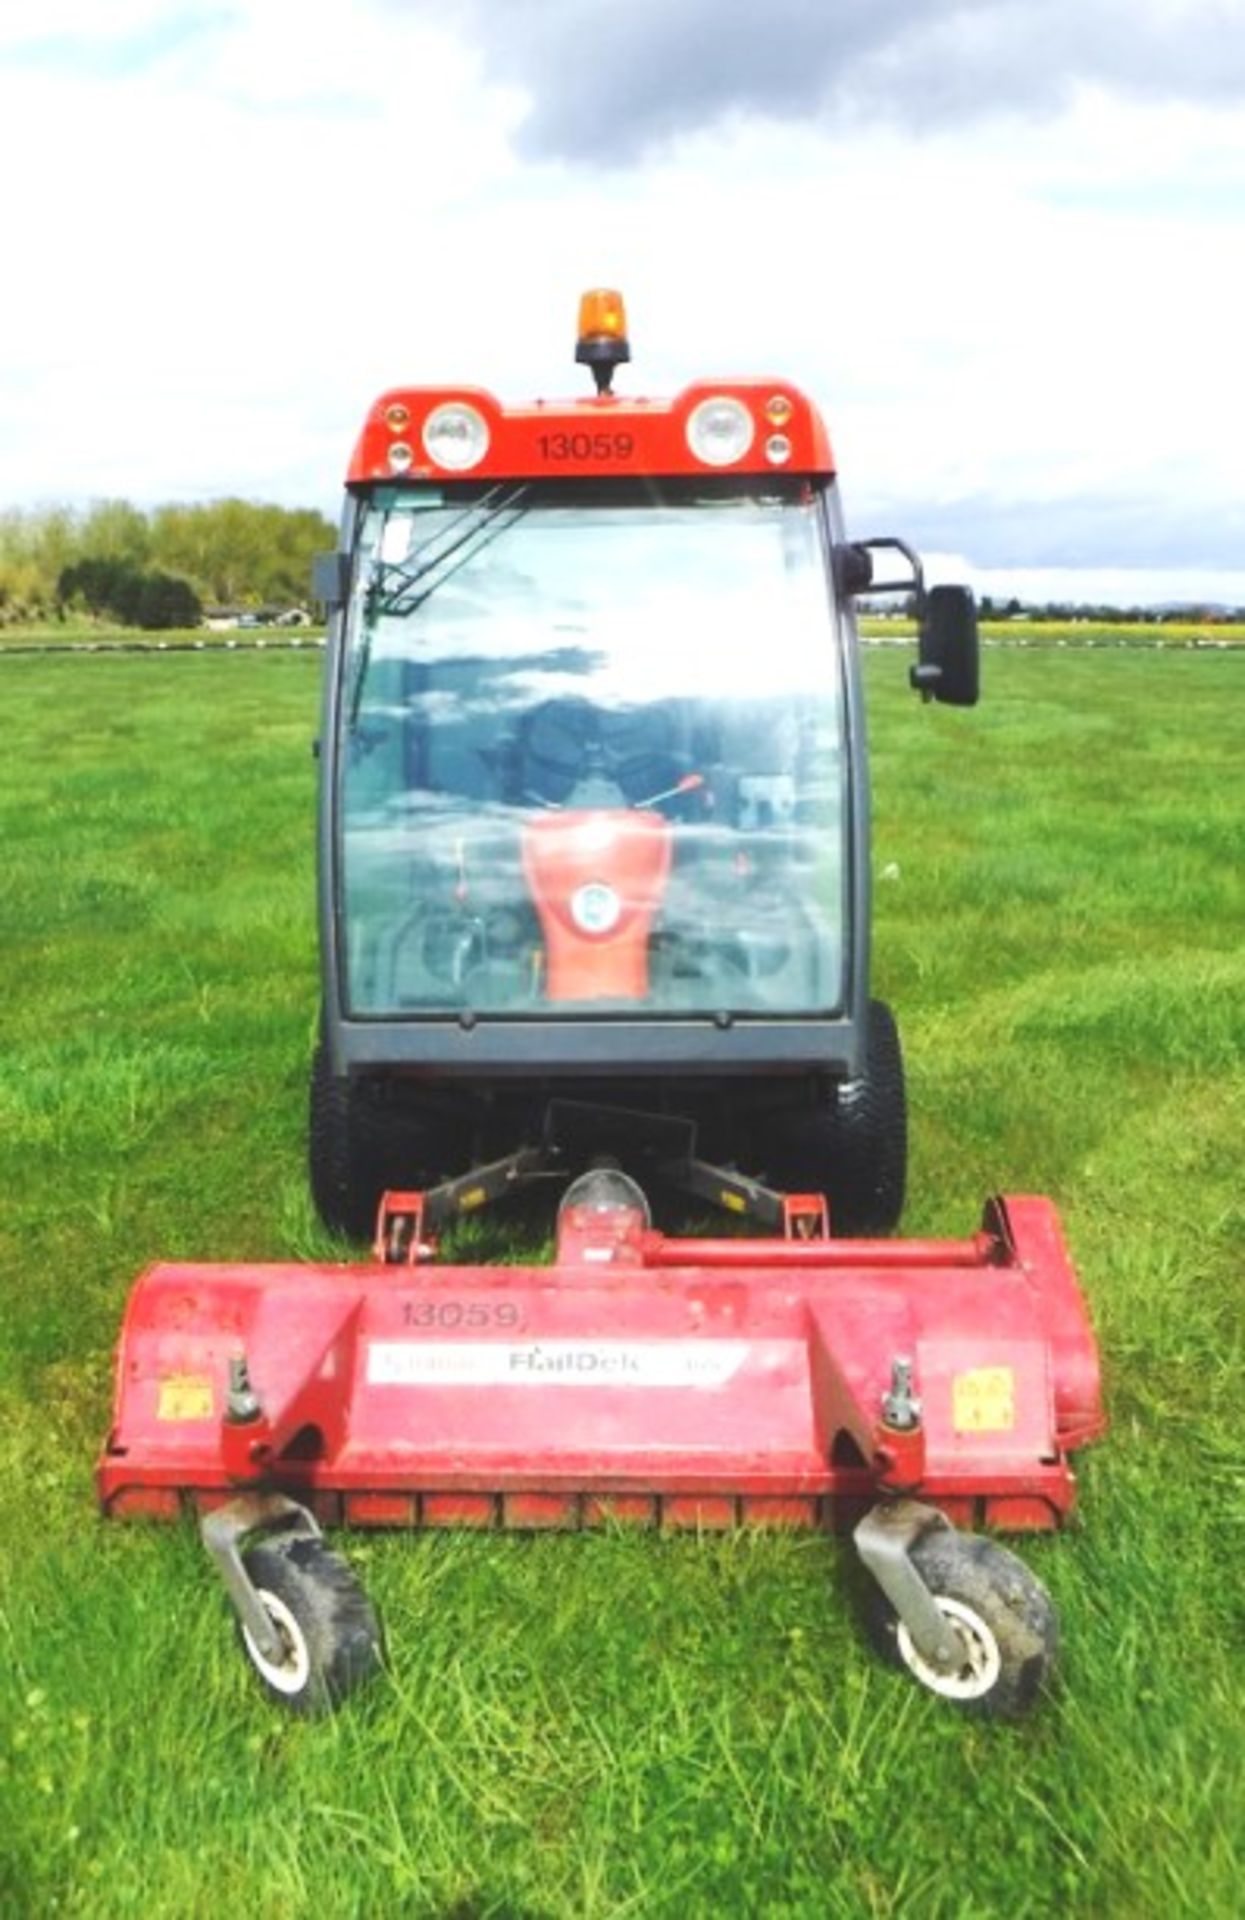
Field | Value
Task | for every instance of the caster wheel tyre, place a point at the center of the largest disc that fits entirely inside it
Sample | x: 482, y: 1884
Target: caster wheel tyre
x: 331, y: 1640
x: 1003, y: 1617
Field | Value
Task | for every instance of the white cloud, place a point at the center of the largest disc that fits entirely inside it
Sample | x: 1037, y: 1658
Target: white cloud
x: 84, y: 22
x: 261, y: 215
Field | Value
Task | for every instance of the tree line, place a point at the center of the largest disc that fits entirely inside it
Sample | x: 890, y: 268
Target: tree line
x: 160, y: 567
x: 1067, y: 612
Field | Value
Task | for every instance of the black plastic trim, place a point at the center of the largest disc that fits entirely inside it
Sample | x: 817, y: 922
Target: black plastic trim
x: 604, y: 1049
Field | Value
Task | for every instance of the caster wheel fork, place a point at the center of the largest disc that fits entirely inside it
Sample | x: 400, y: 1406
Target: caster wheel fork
x: 963, y: 1616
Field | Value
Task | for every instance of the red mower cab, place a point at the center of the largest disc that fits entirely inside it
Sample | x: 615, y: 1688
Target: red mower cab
x: 594, y: 903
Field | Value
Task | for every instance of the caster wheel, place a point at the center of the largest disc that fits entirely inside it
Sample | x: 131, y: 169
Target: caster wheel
x: 331, y: 1641
x: 1003, y: 1617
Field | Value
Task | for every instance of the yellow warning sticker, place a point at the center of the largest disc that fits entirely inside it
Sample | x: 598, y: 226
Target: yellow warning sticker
x: 473, y: 1198
x: 185, y: 1396
x: 733, y: 1202
x: 984, y: 1400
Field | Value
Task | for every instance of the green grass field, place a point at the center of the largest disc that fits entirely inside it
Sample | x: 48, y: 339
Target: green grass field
x: 607, y: 1726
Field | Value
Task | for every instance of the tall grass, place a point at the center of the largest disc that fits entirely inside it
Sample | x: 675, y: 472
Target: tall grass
x: 593, y: 1726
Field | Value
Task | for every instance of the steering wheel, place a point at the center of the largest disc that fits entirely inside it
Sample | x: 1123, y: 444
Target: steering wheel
x: 553, y: 747
x: 568, y: 742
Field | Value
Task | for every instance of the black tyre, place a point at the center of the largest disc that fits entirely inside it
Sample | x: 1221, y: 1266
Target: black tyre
x: 344, y: 1184
x: 854, y: 1147
x: 330, y: 1639
x: 871, y: 1134
x: 1003, y: 1616
x: 358, y: 1145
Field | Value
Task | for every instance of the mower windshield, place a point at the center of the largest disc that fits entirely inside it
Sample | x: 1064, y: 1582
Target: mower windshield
x: 590, y: 755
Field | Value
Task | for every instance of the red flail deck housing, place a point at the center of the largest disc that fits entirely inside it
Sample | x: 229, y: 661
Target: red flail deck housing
x: 674, y: 1382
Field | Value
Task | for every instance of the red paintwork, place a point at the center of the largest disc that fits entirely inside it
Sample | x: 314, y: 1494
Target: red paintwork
x: 626, y: 850
x: 657, y: 430
x: 638, y: 1378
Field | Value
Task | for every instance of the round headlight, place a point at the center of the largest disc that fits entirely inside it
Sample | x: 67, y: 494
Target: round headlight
x: 456, y: 436
x: 719, y: 431
x: 595, y: 908
x: 400, y: 457
x: 777, y: 449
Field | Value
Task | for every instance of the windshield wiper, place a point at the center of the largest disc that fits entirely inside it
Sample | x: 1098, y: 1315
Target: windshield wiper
x: 398, y: 588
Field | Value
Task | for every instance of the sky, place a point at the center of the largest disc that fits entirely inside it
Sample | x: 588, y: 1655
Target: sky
x: 1000, y: 242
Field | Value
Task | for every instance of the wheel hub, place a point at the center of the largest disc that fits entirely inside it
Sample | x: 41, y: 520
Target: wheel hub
x: 978, y: 1669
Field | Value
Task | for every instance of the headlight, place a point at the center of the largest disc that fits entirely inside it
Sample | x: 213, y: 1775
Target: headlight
x: 595, y: 908
x: 455, y: 436
x: 719, y: 431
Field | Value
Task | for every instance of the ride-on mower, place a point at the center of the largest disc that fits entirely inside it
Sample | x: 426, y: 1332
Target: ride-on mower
x: 594, y: 905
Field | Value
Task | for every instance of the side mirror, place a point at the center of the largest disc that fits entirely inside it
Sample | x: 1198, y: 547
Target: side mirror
x: 330, y: 578
x: 947, y: 665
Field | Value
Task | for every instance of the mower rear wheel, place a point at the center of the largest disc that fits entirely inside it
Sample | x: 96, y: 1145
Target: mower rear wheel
x: 330, y: 1638
x: 1002, y: 1615
x: 358, y: 1146
x: 854, y: 1146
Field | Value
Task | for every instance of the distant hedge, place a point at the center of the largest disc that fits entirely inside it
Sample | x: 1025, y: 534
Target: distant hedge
x: 118, y: 590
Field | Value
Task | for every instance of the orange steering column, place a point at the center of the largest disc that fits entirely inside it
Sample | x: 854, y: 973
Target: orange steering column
x: 596, y: 879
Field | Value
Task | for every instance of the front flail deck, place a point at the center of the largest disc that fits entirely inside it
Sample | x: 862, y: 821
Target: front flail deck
x: 686, y: 1382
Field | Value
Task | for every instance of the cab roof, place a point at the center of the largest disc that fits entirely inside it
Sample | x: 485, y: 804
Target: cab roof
x: 748, y: 427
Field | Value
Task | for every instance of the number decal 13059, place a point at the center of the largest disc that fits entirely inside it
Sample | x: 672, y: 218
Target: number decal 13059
x: 586, y: 446
x: 446, y: 1315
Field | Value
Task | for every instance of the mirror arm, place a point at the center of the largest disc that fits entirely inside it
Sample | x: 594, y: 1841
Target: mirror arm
x: 915, y: 584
